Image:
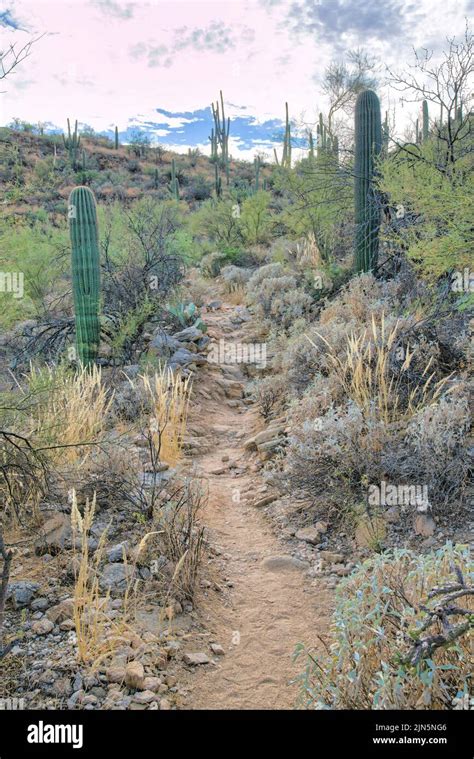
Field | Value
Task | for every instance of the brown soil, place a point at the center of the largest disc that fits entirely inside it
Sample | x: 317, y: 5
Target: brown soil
x: 263, y: 610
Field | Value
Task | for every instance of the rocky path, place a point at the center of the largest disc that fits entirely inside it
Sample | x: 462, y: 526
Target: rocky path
x: 266, y: 605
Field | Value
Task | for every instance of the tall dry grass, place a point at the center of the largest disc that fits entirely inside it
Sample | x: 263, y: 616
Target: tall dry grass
x: 71, y: 412
x: 98, y: 635
x: 169, y: 394
x: 367, y: 375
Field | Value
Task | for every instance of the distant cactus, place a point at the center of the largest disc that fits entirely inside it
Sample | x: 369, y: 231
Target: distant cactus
x: 368, y: 143
x: 116, y: 143
x: 156, y: 179
x: 310, y: 144
x: 174, y: 184
x: 85, y: 272
x: 426, y: 121
x: 257, y: 173
x: 220, y: 134
x: 217, y: 182
x: 385, y: 135
x: 72, y: 143
x: 286, y: 156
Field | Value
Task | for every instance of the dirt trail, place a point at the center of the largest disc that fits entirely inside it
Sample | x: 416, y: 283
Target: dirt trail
x: 267, y: 607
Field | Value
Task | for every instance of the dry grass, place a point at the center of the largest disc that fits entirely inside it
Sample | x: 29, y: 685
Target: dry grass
x: 236, y: 295
x: 97, y: 634
x: 169, y: 393
x: 71, y: 413
x: 308, y: 253
x: 366, y: 375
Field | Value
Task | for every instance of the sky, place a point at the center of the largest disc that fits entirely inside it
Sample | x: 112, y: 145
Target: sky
x: 158, y: 65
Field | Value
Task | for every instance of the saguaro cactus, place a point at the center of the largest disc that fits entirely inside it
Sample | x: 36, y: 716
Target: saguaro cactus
x: 426, y: 121
x: 85, y: 272
x: 174, y: 184
x: 72, y: 143
x: 368, y: 143
x: 116, y: 142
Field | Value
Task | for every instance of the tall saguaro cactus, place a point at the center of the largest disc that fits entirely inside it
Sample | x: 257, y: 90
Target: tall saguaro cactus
x: 368, y: 144
x: 426, y: 121
x: 220, y: 134
x: 85, y: 272
x: 174, y: 184
x: 72, y: 143
x: 116, y: 139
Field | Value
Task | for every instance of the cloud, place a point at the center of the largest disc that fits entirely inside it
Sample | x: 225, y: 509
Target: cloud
x: 217, y: 37
x: 8, y: 21
x: 364, y: 19
x: 114, y: 8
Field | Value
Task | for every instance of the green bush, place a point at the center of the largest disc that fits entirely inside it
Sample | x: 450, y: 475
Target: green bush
x: 377, y: 658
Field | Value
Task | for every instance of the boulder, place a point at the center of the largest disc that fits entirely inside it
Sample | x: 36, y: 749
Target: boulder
x: 308, y: 534
x: 284, y: 563
x: 134, y: 675
x: 52, y: 535
x: 195, y: 659
x: 22, y: 592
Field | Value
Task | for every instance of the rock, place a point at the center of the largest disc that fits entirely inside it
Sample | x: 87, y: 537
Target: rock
x: 183, y: 357
x: 217, y: 649
x: 308, y: 534
x: 283, y: 563
x: 134, y: 675
x: 144, y: 697
x: 115, y: 674
x: 265, y: 501
x: 341, y: 570
x: 117, y: 552
x: 266, y: 435
x: 67, y: 625
x: 52, y: 535
x: 61, y: 612
x: 269, y: 446
x: 328, y: 557
x: 62, y: 687
x: 115, y: 577
x: 195, y: 659
x: 21, y: 592
x: 162, y: 344
x: 39, y: 604
x: 152, y: 684
x: 424, y: 525
x: 321, y: 526
x: 165, y: 705
x: 42, y: 626
x: 392, y: 515
x: 188, y: 334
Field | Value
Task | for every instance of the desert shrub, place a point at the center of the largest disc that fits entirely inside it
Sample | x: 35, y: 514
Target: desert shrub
x: 268, y: 394
x: 334, y: 453
x: 255, y: 218
x: 212, y: 263
x: 219, y: 222
x: 199, y: 189
x: 268, y: 271
x: 235, y: 277
x: 390, y: 648
x: 437, y: 449
x: 278, y: 300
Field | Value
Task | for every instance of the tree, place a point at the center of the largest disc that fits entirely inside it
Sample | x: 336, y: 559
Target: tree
x: 13, y: 55
x: 446, y: 84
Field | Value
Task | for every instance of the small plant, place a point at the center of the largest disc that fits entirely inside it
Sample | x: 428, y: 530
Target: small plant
x: 169, y: 394
x: 187, y: 315
x: 400, y: 636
